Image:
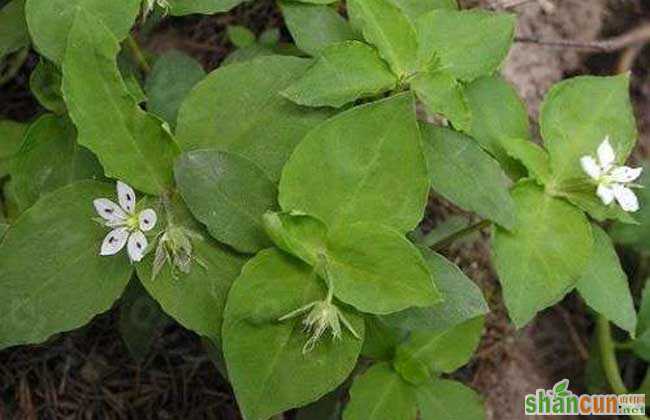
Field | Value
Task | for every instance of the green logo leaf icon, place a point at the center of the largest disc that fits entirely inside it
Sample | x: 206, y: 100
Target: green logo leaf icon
x: 560, y: 389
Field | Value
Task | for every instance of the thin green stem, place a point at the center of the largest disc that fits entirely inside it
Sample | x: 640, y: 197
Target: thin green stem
x: 138, y: 56
x: 608, y: 359
x: 165, y: 200
x: 444, y: 243
x: 328, y: 280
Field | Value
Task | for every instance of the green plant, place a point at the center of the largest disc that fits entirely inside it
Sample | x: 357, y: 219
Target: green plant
x: 279, y: 192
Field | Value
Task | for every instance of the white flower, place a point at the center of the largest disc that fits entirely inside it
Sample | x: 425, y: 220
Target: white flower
x: 128, y: 225
x: 613, y: 181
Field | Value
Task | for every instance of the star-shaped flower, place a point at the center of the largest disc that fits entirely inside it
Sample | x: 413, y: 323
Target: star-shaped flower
x: 128, y: 225
x: 614, y: 182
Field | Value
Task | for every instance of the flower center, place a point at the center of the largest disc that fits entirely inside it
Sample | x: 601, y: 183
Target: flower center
x: 132, y: 222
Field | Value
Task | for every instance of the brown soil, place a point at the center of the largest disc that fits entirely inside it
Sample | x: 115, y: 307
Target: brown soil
x: 89, y: 374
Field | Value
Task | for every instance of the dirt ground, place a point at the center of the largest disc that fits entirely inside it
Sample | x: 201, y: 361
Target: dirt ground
x: 89, y: 373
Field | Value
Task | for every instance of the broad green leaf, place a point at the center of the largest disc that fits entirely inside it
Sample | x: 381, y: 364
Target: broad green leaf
x: 196, y: 299
x: 439, y: 351
x: 229, y: 194
x: 12, y: 134
x: 540, y: 260
x: 50, y: 158
x: 342, y: 73
x: 380, y: 394
x: 494, y: 125
x: 416, y: 8
x: 462, y: 300
x: 385, y: 26
x: 172, y: 77
x: 604, y: 285
x: 45, y: 84
x: 636, y: 236
x: 267, y: 367
x: 13, y: 28
x: 464, y: 174
x: 140, y: 321
x: 532, y: 156
x: 442, y: 94
x: 368, y: 164
x: 50, y: 21
x: 53, y: 278
x: 206, y: 7
x: 577, y: 115
x: 377, y: 270
x: 132, y: 145
x: 314, y: 27
x: 468, y: 44
x: 237, y: 108
x: 442, y: 399
x: 240, y: 36
x: 300, y: 235
x: 3, y: 229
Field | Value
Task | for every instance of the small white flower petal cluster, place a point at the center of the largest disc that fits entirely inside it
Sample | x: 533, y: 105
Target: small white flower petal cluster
x: 614, y: 182
x: 128, y: 225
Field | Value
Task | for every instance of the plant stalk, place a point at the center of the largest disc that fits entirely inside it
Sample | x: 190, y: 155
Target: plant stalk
x: 608, y: 359
x: 444, y: 243
x: 138, y: 55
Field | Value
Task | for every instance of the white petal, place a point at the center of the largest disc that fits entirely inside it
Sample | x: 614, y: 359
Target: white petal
x: 624, y: 174
x: 147, y: 219
x: 590, y: 166
x: 626, y: 198
x: 137, y: 245
x: 606, y: 154
x: 606, y: 194
x: 114, y: 241
x: 126, y: 196
x: 108, y: 210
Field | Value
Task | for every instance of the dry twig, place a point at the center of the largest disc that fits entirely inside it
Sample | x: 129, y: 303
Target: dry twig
x: 637, y: 36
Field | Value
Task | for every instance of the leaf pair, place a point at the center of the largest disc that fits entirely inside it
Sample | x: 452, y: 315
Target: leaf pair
x: 433, y: 54
x: 553, y: 249
x: 442, y: 338
x: 371, y: 267
x: 365, y: 165
x: 381, y: 394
